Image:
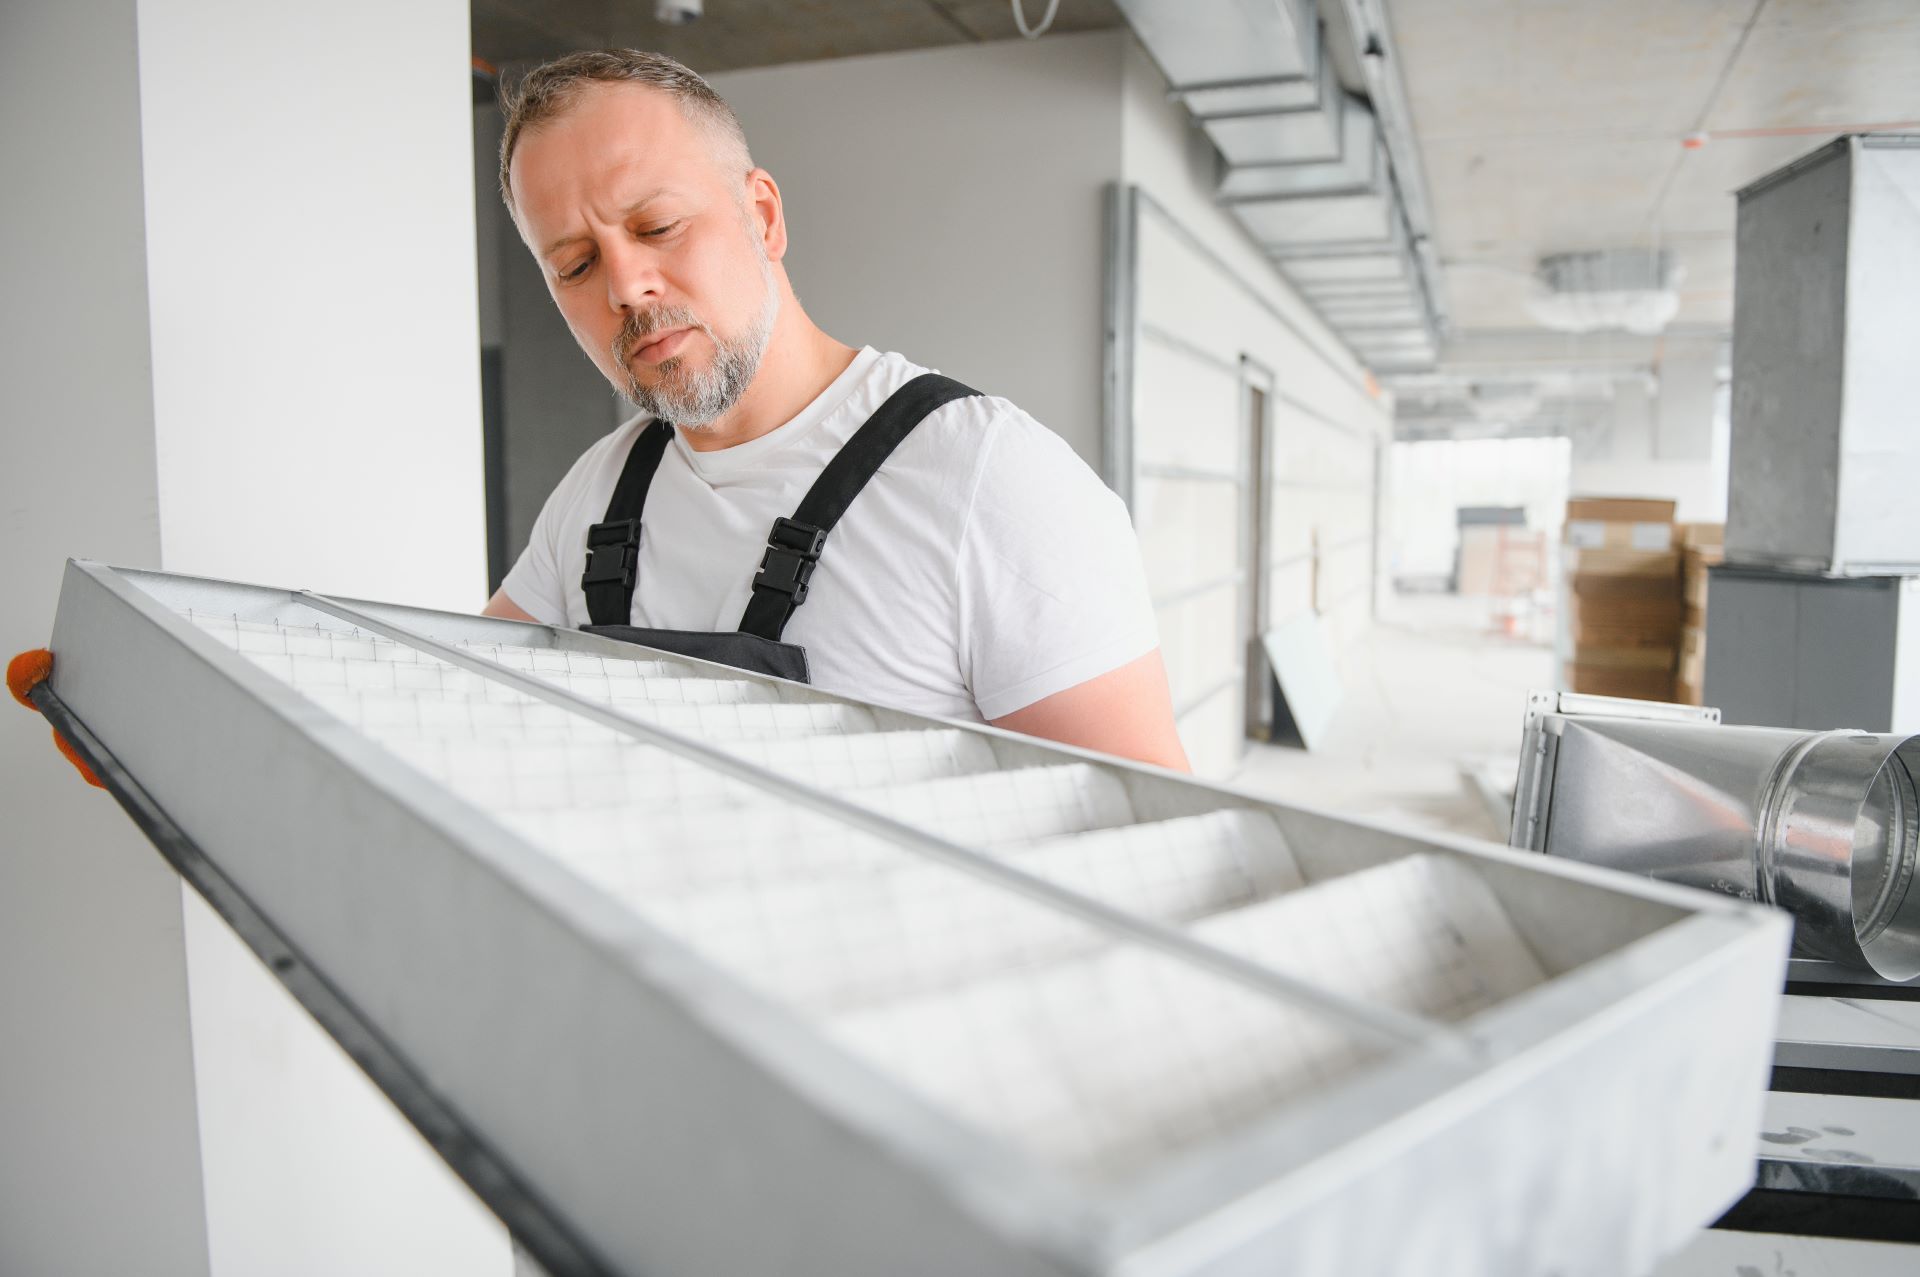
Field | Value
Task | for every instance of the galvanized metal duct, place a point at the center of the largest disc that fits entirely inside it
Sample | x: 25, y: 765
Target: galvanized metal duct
x: 1825, y: 825
x: 1305, y: 168
x: 1824, y: 445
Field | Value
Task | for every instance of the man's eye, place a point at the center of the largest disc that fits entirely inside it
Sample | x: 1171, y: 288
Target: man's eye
x: 658, y: 230
x: 576, y: 271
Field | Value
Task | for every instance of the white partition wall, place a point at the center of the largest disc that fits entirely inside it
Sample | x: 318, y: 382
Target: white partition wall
x: 310, y: 255
x: 93, y: 982
x: 1222, y: 349
x: 965, y: 228
x: 241, y: 337
x: 945, y: 203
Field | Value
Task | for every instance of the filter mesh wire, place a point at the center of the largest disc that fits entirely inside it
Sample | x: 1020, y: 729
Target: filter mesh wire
x: 1101, y: 1057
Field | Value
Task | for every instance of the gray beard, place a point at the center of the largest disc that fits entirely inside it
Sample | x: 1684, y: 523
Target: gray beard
x: 689, y: 398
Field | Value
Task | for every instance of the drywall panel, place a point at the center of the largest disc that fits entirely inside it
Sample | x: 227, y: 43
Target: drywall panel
x: 311, y: 1170
x: 99, y: 1153
x: 310, y: 258
x: 946, y: 203
x: 1211, y: 312
x: 316, y: 417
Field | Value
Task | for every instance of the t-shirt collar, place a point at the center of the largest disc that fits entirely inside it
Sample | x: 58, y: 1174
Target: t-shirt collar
x: 725, y: 462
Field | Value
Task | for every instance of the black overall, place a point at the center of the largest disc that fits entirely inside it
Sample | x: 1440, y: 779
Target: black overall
x: 793, y: 546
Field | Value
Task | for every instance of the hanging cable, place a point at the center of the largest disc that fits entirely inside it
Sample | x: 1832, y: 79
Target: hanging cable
x: 1020, y: 19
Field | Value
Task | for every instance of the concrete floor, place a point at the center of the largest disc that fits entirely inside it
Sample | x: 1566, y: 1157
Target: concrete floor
x: 1432, y: 688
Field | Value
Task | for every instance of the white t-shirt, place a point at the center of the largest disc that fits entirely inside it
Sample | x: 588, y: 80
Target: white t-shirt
x: 983, y: 568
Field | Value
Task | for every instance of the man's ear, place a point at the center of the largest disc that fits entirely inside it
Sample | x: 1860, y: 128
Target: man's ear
x: 768, y: 213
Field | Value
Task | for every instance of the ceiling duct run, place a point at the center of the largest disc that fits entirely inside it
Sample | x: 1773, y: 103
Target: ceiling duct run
x: 1630, y: 289
x: 1304, y: 165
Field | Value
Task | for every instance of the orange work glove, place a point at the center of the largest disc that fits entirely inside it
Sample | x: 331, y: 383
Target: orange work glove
x: 26, y: 672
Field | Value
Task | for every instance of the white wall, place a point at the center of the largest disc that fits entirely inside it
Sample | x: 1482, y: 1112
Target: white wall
x: 99, y: 1153
x: 946, y: 203
x: 310, y: 243
x: 1668, y: 439
x: 241, y: 340
x: 1207, y: 299
x: 1433, y: 478
x: 949, y: 203
x: 315, y: 327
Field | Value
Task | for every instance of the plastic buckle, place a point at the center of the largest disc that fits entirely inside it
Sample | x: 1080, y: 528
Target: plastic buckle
x: 787, y: 566
x: 802, y: 538
x: 613, y: 554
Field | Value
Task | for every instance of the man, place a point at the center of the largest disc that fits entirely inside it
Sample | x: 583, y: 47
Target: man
x: 958, y: 560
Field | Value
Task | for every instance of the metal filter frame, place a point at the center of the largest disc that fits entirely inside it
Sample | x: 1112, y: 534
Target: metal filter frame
x: 534, y: 1028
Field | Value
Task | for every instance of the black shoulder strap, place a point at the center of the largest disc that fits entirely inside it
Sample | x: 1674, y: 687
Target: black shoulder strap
x: 794, y: 545
x: 613, y: 544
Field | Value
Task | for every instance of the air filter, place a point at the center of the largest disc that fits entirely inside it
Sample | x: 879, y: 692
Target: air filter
x: 714, y: 973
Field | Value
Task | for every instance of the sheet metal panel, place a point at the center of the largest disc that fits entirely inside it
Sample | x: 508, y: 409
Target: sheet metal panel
x: 1826, y: 438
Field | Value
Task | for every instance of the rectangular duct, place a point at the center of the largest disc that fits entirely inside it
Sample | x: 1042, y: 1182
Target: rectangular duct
x: 1229, y: 55
x: 1305, y: 169
x: 1308, y: 133
x: 1826, y: 392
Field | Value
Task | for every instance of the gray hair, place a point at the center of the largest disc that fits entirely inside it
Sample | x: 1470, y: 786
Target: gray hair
x: 546, y: 92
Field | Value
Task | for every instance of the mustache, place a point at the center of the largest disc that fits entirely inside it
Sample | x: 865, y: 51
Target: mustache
x: 640, y: 326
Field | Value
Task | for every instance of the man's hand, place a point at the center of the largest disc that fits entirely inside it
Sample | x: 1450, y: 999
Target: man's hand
x: 1127, y: 711
x: 504, y: 608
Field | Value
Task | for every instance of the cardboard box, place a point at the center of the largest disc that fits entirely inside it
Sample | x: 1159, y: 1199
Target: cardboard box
x: 1663, y: 564
x: 1693, y: 573
x: 1479, y: 553
x: 1644, y: 685
x: 1692, y: 665
x: 1590, y: 635
x: 1501, y: 560
x: 1703, y: 536
x: 1687, y: 693
x: 1620, y: 509
x: 1626, y: 658
x: 1644, y: 612
x: 1642, y: 595
x: 1598, y: 534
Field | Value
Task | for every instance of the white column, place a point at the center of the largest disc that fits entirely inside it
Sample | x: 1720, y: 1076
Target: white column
x: 241, y: 339
x: 310, y: 243
x: 99, y: 1157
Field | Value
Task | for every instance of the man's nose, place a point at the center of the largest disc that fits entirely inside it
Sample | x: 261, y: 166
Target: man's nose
x: 633, y: 278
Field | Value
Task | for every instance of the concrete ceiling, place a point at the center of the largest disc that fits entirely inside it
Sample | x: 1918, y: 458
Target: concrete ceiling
x: 1558, y: 125
x: 745, y: 33
x: 1544, y: 126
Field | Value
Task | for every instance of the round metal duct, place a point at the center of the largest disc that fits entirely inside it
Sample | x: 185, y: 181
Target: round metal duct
x: 1823, y: 824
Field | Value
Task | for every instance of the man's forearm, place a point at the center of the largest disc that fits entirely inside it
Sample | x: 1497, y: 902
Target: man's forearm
x: 1127, y: 712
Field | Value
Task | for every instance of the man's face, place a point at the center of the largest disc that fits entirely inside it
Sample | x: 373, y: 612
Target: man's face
x: 651, y: 248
